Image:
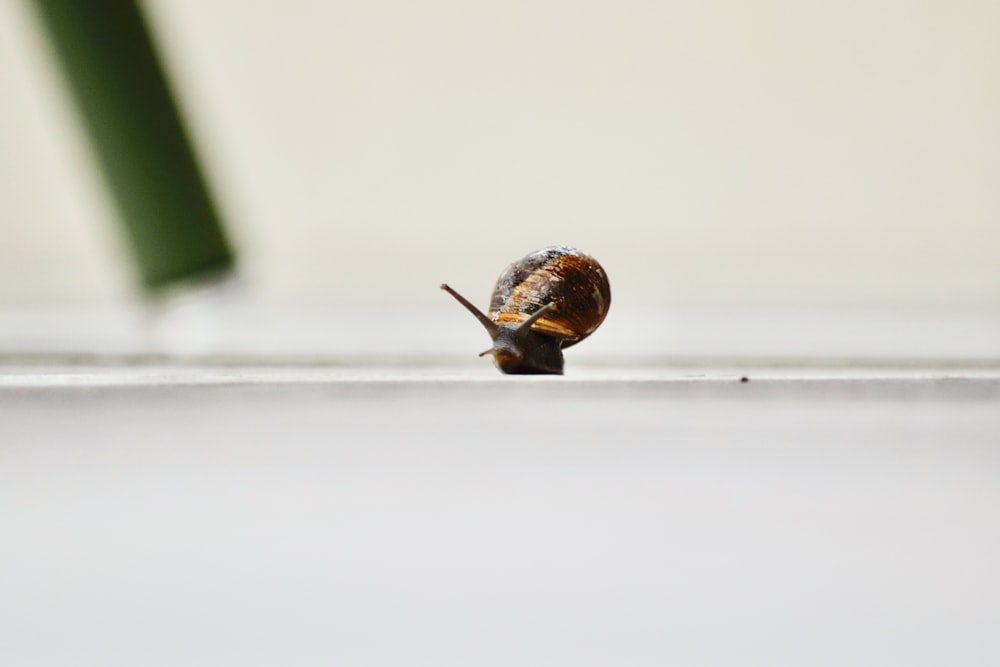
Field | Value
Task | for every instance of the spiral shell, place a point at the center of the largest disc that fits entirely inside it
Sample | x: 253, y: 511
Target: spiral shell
x: 573, y: 281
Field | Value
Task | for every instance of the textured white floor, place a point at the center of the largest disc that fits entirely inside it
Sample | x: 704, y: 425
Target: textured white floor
x: 229, y: 515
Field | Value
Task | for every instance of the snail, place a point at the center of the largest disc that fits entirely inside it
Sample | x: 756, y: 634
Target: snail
x: 547, y: 301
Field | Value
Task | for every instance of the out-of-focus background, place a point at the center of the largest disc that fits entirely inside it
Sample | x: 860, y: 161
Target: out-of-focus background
x: 757, y: 178
x: 781, y: 448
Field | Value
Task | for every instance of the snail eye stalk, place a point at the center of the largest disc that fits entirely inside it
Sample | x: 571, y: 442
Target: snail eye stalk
x: 491, y: 326
x: 522, y: 331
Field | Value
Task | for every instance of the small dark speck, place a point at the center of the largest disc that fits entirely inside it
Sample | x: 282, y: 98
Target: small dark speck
x: 744, y: 379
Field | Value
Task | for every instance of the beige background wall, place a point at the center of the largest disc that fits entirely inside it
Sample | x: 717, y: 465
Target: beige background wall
x: 775, y: 156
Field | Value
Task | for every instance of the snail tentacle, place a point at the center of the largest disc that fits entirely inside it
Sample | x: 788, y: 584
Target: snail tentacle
x: 521, y: 334
x: 491, y: 327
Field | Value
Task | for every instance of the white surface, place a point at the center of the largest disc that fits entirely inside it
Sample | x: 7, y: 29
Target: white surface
x: 207, y: 325
x: 453, y: 517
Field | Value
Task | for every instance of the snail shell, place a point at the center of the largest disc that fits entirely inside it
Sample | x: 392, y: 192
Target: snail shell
x: 547, y: 301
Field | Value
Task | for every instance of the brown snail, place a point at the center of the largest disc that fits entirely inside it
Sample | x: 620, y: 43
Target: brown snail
x: 551, y: 299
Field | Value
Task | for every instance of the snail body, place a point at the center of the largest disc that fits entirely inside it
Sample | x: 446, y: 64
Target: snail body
x: 541, y: 304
